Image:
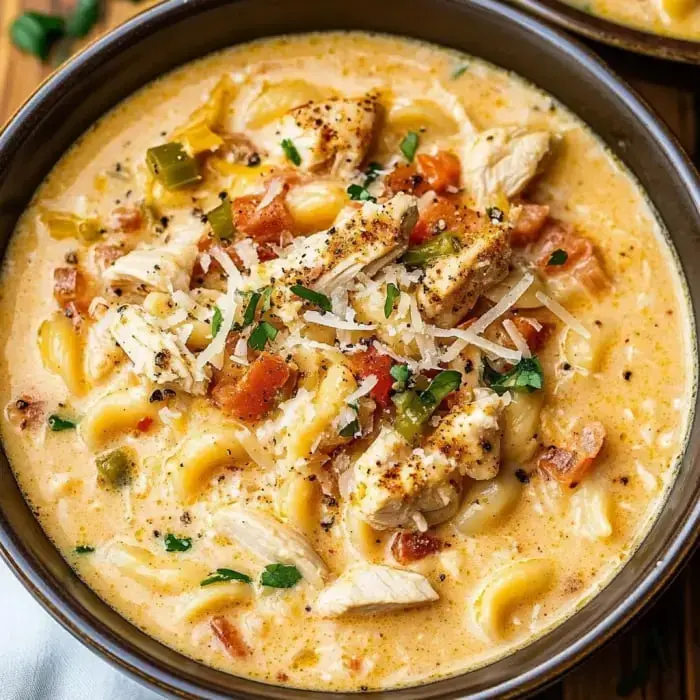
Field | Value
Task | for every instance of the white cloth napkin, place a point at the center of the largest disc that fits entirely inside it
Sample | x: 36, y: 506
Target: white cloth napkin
x: 39, y: 660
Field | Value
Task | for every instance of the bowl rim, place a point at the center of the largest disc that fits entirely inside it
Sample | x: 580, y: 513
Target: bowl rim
x: 617, y: 34
x: 144, y: 668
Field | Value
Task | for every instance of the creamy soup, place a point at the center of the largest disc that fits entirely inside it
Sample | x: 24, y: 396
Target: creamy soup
x: 678, y: 18
x: 326, y: 356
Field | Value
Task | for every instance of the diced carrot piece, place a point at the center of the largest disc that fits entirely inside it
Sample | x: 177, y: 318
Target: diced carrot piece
x: 440, y: 171
x: 70, y: 287
x: 371, y: 362
x: 406, y: 178
x: 229, y: 636
x: 265, y: 225
x: 530, y: 221
x: 251, y: 397
x: 569, y: 466
x: 408, y: 547
x: 127, y: 219
x: 581, y: 258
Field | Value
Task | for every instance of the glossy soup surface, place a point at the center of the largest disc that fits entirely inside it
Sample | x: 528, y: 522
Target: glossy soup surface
x: 677, y: 18
x: 370, y: 529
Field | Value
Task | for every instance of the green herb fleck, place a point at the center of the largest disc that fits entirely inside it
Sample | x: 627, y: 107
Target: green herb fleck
x: 460, y: 71
x: 173, y: 543
x: 558, y: 257
x: 443, y: 244
x: 216, y: 322
x: 266, y: 296
x: 358, y: 193
x: 249, y: 314
x: 58, y: 424
x: 320, y: 300
x: 84, y: 549
x: 263, y: 332
x: 401, y: 373
x: 280, y: 576
x: 372, y: 173
x: 290, y: 150
x: 409, y: 145
x: 36, y: 32
x: 392, y: 293
x: 526, y: 376
x: 223, y: 575
x: 351, y: 429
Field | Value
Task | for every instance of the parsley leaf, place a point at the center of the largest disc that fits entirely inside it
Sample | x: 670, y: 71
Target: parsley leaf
x: 526, y: 376
x: 401, y: 374
x: 444, y: 383
x: 409, y: 145
x: 216, y: 322
x: 392, y: 293
x: 249, y: 314
x: 321, y: 300
x: 460, y: 71
x: 263, y: 332
x: 351, y: 429
x: 58, y: 424
x: 173, y: 543
x: 358, y: 193
x: 373, y: 170
x: 290, y: 150
x: 495, y: 214
x: 280, y: 576
x: 558, y: 257
x: 222, y: 575
x: 84, y: 549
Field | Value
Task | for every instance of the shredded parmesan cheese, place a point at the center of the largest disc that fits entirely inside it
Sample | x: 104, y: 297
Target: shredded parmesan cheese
x: 508, y: 299
x: 332, y: 321
x: 247, y: 252
x: 367, y: 384
x: 473, y: 339
x: 558, y: 310
x: 274, y: 188
x: 517, y: 338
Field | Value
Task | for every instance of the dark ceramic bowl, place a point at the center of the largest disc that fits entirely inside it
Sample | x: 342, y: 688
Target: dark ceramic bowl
x: 615, y: 34
x: 167, y: 36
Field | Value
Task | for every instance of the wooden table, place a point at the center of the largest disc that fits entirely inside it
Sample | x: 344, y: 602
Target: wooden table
x: 658, y: 658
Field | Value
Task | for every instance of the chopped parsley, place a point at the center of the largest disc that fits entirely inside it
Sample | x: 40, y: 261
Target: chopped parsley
x: 392, y: 293
x: 401, y: 373
x: 263, y: 332
x: 216, y: 322
x: 444, y: 383
x: 460, y: 71
x: 409, y: 146
x: 353, y: 427
x: 290, y: 150
x: 223, y: 575
x: 526, y: 376
x: 320, y: 300
x: 558, y: 257
x: 84, y: 549
x: 358, y: 193
x: 266, y: 296
x: 249, y: 314
x: 58, y: 424
x: 372, y: 173
x: 173, y: 543
x: 495, y: 214
x: 280, y: 576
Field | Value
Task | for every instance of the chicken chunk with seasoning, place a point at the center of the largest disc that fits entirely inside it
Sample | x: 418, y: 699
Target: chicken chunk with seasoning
x: 374, y: 588
x: 453, y: 283
x: 158, y: 354
x: 397, y: 486
x: 500, y: 162
x: 332, y: 136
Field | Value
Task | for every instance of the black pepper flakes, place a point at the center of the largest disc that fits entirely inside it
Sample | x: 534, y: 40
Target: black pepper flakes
x: 522, y: 476
x: 627, y: 375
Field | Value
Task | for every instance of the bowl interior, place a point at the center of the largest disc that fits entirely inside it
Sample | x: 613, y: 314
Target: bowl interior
x: 175, y: 32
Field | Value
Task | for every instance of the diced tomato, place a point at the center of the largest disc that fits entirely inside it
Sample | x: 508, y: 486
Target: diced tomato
x: 265, y: 225
x: 533, y: 337
x: 265, y: 252
x: 253, y: 395
x: 408, y: 547
x: 145, y: 423
x: 530, y: 221
x: 371, y: 362
x: 581, y: 258
x: 405, y: 178
x: 443, y: 214
x: 127, y: 219
x: 441, y: 171
x: 569, y: 466
x: 229, y: 636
